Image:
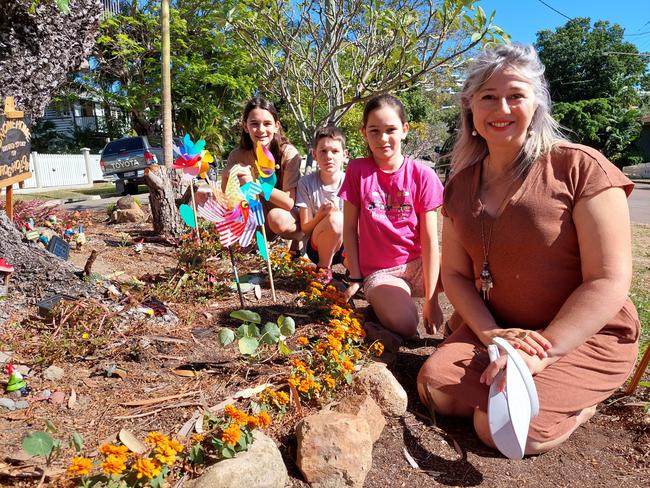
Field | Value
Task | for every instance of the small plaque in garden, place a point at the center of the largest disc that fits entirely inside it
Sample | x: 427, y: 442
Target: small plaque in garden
x: 46, y: 305
x: 59, y: 247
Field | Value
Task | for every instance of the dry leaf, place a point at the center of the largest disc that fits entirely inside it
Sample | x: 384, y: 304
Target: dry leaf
x: 459, y: 450
x: 249, y: 392
x: 198, y: 426
x: 185, y: 372
x: 295, y: 399
x: 187, y: 426
x: 72, y: 401
x: 132, y: 442
x: 153, y: 401
x: 410, y: 459
x: 258, y: 292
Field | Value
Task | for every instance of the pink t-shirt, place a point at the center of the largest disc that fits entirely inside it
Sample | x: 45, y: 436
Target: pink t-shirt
x: 389, y: 207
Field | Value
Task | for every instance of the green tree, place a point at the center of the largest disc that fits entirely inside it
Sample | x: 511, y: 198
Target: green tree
x: 212, y: 73
x: 597, y: 80
x: 322, y: 57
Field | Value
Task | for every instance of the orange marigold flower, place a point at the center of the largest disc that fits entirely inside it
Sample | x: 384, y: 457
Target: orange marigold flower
x: 320, y: 348
x: 252, y: 422
x: 108, y: 449
x: 329, y: 381
x: 155, y: 438
x: 264, y: 420
x: 146, y: 468
x: 294, y: 380
x: 231, y: 434
x: 165, y: 456
x: 334, y: 343
x: 348, y: 366
x: 114, y: 464
x: 176, y: 446
x: 338, y: 333
x: 79, y: 466
x: 237, y: 415
x: 377, y: 349
x: 302, y: 340
x: 305, y: 385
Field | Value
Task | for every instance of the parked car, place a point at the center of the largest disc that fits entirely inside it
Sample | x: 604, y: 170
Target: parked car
x: 124, y: 161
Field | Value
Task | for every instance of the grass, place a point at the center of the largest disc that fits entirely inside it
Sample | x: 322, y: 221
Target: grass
x: 640, y: 289
x: 104, y: 190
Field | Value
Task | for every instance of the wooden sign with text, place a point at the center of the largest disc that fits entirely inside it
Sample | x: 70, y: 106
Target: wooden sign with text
x: 15, y: 147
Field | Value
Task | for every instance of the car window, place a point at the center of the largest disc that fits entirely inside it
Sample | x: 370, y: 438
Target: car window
x: 123, y: 145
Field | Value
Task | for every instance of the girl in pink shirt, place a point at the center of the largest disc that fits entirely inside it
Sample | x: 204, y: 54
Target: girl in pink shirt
x: 389, y: 223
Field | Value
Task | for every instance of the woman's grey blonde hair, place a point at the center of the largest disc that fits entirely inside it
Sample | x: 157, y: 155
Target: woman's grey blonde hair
x: 543, y: 133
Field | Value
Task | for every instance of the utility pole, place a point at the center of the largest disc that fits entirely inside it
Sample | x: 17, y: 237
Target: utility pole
x: 166, y: 86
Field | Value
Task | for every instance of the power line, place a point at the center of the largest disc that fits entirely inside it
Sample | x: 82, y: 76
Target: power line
x: 638, y: 34
x: 555, y: 10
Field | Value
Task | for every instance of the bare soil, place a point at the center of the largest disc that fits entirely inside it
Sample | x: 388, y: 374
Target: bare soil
x: 613, y: 449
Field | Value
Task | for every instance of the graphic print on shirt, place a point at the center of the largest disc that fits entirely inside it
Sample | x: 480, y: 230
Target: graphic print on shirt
x: 394, y: 205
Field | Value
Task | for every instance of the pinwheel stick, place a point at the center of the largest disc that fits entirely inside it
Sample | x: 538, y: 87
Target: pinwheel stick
x: 268, y: 263
x: 234, y: 268
x: 196, y: 220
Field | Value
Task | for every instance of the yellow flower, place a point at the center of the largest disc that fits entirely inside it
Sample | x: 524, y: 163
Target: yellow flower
x: 114, y: 464
x: 282, y: 398
x: 108, y: 449
x: 264, y: 420
x: 79, y: 466
x: 334, y: 343
x: 165, y: 454
x: 252, y: 422
x: 197, y: 438
x: 146, y: 468
x: 304, y: 386
x: 176, y: 446
x: 320, y: 348
x: 293, y: 380
x: 231, y: 434
x: 377, y: 349
x: 303, y: 341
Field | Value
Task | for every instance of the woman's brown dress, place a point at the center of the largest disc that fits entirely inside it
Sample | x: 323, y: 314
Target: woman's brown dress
x: 534, y: 259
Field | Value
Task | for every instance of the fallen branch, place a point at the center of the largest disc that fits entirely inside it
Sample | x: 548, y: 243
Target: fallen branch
x: 153, y: 401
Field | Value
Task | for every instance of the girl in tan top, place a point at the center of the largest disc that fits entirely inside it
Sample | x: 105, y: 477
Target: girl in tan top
x: 537, y: 250
x: 260, y: 122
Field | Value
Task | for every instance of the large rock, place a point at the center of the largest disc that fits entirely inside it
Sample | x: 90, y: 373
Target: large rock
x: 129, y: 215
x: 259, y: 467
x: 126, y: 202
x: 365, y: 407
x: 334, y: 449
x: 378, y: 382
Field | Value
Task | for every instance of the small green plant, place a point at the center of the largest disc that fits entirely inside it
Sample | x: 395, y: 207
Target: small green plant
x: 110, y: 208
x: 41, y: 443
x: 249, y: 336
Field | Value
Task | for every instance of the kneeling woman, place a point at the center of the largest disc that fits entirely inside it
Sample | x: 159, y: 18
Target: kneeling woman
x: 537, y: 251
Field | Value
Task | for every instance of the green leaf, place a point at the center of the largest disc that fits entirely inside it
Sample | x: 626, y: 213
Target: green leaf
x: 246, y: 316
x: 50, y: 427
x: 645, y: 384
x: 248, y: 345
x: 159, y: 480
x: 38, y: 444
x: 283, y: 348
x: 226, y: 336
x: 227, y: 452
x: 77, y: 441
x: 63, y: 6
x: 270, y: 333
x: 348, y: 378
x: 287, y: 325
x: 196, y: 454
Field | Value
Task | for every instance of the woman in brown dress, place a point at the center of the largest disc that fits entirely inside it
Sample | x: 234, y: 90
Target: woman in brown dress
x: 537, y: 250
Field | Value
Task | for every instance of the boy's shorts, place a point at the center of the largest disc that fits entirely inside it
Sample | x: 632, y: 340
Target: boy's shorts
x: 312, y: 253
x: 409, y: 275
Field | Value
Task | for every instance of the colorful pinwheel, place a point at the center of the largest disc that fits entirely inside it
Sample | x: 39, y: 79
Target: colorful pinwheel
x: 192, y: 157
x: 265, y: 163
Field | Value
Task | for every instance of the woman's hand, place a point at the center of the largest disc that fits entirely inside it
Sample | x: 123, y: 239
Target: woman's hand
x: 432, y: 315
x: 534, y: 363
x: 529, y: 341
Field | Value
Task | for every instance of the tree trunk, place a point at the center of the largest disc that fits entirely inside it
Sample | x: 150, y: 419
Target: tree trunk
x: 167, y: 220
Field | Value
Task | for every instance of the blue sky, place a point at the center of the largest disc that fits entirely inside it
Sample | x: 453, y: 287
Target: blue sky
x: 523, y: 18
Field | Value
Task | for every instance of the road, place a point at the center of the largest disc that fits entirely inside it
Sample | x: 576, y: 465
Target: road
x: 639, y: 203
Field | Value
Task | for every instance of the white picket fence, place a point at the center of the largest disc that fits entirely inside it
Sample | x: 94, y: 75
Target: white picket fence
x: 62, y: 171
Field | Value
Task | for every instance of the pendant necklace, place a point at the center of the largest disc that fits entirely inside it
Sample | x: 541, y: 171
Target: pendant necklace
x: 487, y: 283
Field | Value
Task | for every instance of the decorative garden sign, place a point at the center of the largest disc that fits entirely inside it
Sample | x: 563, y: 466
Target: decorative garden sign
x: 14, y: 150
